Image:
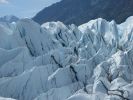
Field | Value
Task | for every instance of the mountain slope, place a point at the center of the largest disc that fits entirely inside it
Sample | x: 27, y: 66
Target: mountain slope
x: 80, y: 11
x: 58, y: 62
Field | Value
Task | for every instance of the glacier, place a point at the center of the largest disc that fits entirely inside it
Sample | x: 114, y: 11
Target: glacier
x: 54, y: 61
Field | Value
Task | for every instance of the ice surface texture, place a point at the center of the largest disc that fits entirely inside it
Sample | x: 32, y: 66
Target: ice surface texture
x: 57, y: 62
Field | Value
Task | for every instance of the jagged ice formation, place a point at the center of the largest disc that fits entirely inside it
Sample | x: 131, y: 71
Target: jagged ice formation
x: 57, y: 62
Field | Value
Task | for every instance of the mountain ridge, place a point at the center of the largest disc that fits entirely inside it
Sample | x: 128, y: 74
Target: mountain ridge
x: 9, y: 19
x: 79, y: 12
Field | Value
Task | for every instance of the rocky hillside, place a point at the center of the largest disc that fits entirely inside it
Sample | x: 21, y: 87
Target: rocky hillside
x: 80, y: 11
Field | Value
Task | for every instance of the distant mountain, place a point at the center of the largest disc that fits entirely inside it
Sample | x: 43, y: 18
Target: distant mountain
x: 80, y: 11
x: 9, y: 18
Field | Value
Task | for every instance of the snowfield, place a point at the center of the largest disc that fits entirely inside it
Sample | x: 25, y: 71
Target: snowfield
x: 53, y: 61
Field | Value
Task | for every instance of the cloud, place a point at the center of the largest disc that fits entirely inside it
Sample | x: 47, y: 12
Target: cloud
x: 3, y: 1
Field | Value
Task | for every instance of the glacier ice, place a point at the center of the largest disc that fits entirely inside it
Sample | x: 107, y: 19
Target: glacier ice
x: 53, y: 61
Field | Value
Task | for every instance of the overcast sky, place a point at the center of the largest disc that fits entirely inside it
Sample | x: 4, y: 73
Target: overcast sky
x: 23, y: 8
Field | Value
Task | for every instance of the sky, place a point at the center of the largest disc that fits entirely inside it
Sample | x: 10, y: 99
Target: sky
x: 23, y: 8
